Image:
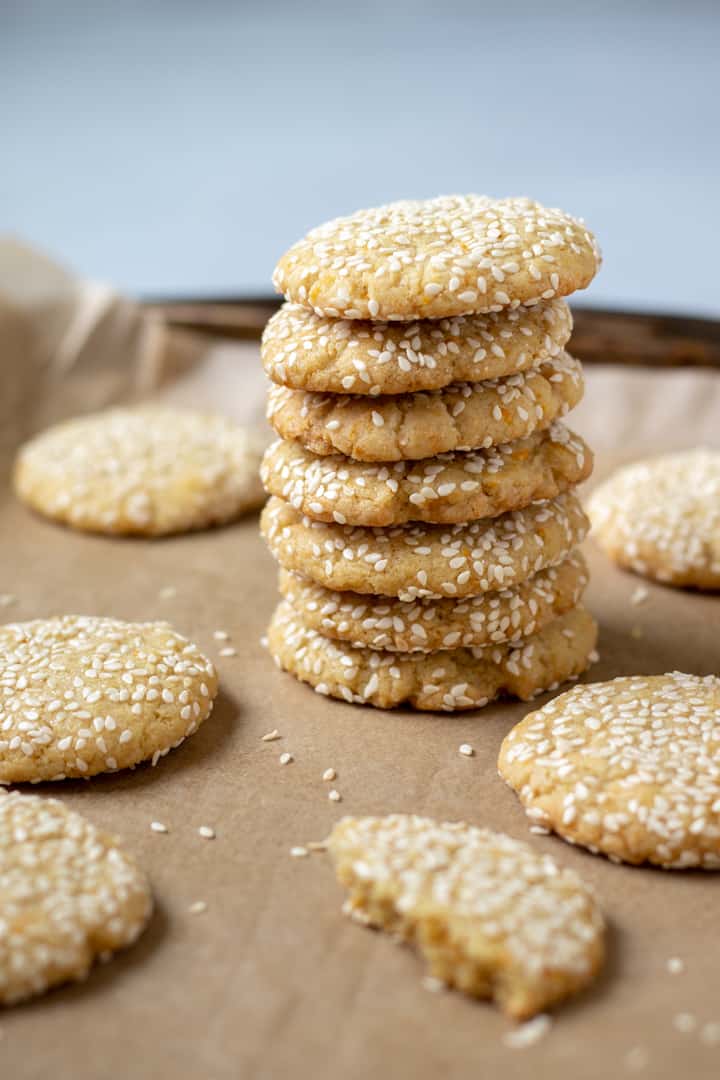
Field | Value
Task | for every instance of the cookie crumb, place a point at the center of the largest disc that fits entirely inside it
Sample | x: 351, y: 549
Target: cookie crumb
x: 466, y: 750
x: 228, y: 651
x: 528, y: 1034
x: 675, y: 965
x: 334, y: 796
x: 199, y: 907
x: 299, y: 852
x: 639, y: 596
x: 685, y: 1023
x: 710, y: 1033
x: 329, y: 774
x: 435, y: 986
x: 158, y: 827
x: 286, y: 758
x: 270, y: 736
x: 207, y: 832
x: 636, y: 1059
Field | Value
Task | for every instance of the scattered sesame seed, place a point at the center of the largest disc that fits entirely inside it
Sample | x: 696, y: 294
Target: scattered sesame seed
x: 639, y: 596
x: 334, y: 796
x: 221, y: 635
x: 433, y: 985
x: 158, y: 827
x: 675, y: 965
x: 7, y: 599
x: 466, y: 750
x: 329, y: 774
x: 198, y: 907
x: 529, y: 1033
x: 298, y: 852
x: 207, y: 832
x: 270, y: 736
x: 286, y: 758
x: 228, y: 651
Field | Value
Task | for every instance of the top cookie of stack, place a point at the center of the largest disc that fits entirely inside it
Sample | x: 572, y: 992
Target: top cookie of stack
x: 420, y: 368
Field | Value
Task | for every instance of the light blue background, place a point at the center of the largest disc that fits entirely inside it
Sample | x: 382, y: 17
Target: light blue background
x: 180, y: 147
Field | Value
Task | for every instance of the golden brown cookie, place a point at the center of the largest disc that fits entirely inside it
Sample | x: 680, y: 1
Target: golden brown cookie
x: 146, y: 471
x: 629, y: 768
x: 381, y: 622
x: 661, y: 518
x: 448, y: 489
x: 426, y: 561
x: 401, y: 427
x: 68, y: 894
x: 83, y: 695
x: 341, y: 356
x: 490, y: 916
x: 435, y: 258
x: 443, y: 681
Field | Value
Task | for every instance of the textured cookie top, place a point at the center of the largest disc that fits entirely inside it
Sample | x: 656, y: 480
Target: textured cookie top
x: 630, y: 768
x: 307, y: 352
x: 436, y: 258
x: 521, y: 928
x: 68, y: 893
x: 381, y: 622
x: 661, y: 517
x: 81, y: 695
x: 401, y: 427
x: 444, y: 681
x: 449, y: 488
x: 146, y: 471
x: 430, y: 561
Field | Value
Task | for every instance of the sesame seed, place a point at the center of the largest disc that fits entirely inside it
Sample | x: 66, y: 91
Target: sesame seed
x: 221, y: 635
x: 298, y: 852
x: 675, y: 965
x: 466, y: 750
x: 639, y: 596
x: 158, y: 827
x: 334, y: 796
x: 206, y: 832
x: 271, y: 736
x: 198, y: 907
x: 286, y: 758
x: 228, y: 651
x: 329, y: 774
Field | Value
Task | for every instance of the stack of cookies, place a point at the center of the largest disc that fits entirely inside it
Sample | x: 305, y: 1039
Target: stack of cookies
x: 422, y: 507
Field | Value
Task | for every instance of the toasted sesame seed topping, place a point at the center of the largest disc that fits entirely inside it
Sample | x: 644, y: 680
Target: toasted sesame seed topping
x: 329, y: 774
x: 206, y: 832
x: 228, y: 651
x: 221, y: 635
x: 286, y: 758
x: 529, y: 1033
x: 299, y: 852
x: 334, y: 796
x: 158, y: 827
x: 466, y: 750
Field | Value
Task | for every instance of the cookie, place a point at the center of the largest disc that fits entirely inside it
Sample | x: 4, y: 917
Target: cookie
x: 341, y: 356
x: 144, y: 471
x: 661, y: 518
x: 442, y: 681
x: 68, y: 894
x: 629, y: 768
x: 447, y: 489
x: 464, y: 416
x: 81, y: 695
x: 489, y: 915
x: 426, y: 561
x: 436, y: 258
x: 426, y: 625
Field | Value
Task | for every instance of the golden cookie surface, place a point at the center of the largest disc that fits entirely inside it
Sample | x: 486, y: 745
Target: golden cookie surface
x: 68, y: 894
x: 489, y: 915
x: 629, y: 768
x: 401, y: 427
x: 661, y: 518
x: 448, y: 489
x: 303, y: 351
x: 145, y: 471
x: 447, y: 680
x: 381, y: 622
x: 81, y: 695
x: 426, y: 561
x: 436, y: 258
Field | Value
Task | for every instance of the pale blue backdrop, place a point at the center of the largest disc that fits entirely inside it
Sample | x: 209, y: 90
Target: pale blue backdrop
x: 179, y: 147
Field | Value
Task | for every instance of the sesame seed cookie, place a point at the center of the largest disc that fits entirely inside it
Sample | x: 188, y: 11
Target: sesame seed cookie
x: 81, y: 695
x: 464, y: 416
x: 68, y: 894
x: 436, y: 258
x: 448, y: 489
x: 426, y: 625
x: 143, y: 471
x: 426, y: 561
x: 442, y: 681
x: 341, y: 356
x: 629, y: 768
x: 490, y: 916
x: 661, y: 518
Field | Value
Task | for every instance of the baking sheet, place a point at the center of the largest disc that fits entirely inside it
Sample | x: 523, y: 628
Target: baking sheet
x: 272, y: 981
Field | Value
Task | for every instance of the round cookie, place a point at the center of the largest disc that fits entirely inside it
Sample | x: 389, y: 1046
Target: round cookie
x: 443, y: 681
x: 145, y: 471
x: 436, y: 258
x: 68, y: 894
x: 426, y: 625
x: 464, y: 416
x: 447, y: 489
x: 81, y: 695
x: 629, y: 768
x: 342, y: 356
x: 491, y: 916
x: 426, y: 561
x: 661, y: 518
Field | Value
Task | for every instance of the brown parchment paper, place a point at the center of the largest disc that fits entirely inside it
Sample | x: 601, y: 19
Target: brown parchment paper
x: 271, y: 981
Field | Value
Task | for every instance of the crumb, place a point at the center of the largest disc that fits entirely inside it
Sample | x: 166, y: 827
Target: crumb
x: 157, y: 826
x: 271, y: 735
